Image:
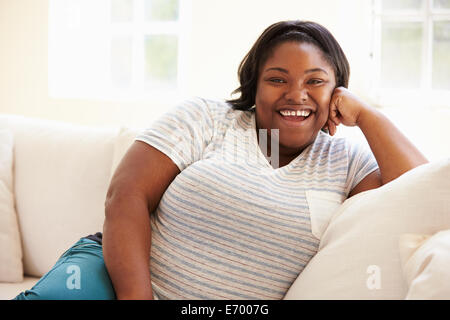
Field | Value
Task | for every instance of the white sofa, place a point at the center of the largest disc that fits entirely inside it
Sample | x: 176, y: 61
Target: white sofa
x: 388, y: 243
x: 60, y: 176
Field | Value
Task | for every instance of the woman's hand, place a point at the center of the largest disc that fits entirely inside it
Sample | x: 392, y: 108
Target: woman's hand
x: 345, y: 108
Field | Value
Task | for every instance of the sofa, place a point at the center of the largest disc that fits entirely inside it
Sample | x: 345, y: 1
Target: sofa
x: 53, y: 182
x: 389, y: 243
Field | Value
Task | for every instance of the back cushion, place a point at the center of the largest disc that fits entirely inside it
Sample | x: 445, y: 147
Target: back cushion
x: 61, y: 176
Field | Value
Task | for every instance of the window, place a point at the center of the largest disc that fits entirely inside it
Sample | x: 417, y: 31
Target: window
x: 117, y: 49
x: 411, y: 51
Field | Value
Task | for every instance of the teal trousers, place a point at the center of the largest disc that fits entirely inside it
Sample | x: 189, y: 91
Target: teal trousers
x: 79, y: 274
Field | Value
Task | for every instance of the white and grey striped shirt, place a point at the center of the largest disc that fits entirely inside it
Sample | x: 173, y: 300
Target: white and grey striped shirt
x: 231, y: 226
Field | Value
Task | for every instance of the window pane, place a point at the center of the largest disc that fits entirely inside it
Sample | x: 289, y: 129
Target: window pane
x: 121, y: 61
x: 161, y: 53
x: 402, y: 5
x: 121, y: 10
x: 441, y: 4
x: 401, y: 54
x: 441, y: 60
x: 161, y: 10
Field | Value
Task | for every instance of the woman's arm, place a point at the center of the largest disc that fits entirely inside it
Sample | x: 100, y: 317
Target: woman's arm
x: 126, y: 246
x: 394, y: 153
x: 135, y: 191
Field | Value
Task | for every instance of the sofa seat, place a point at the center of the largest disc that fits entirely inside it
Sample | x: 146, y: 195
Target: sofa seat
x: 10, y: 290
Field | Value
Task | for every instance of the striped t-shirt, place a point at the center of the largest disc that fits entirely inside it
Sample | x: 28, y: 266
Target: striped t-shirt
x: 231, y: 226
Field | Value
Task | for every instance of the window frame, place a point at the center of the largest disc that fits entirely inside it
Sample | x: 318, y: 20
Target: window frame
x: 425, y: 95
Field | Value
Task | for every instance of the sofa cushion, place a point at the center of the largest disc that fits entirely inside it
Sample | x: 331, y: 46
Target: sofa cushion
x: 62, y: 173
x: 426, y: 261
x: 10, y: 290
x: 358, y: 256
x: 11, y: 269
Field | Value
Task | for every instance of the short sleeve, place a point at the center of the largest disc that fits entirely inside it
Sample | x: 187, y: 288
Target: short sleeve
x: 361, y: 163
x: 182, y: 133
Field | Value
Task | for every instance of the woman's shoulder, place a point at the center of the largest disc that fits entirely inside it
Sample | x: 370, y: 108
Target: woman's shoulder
x: 218, y: 107
x: 332, y: 145
x: 339, y: 147
x: 219, y: 111
x: 323, y: 139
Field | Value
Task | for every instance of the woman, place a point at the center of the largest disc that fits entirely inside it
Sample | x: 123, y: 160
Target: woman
x: 196, y: 210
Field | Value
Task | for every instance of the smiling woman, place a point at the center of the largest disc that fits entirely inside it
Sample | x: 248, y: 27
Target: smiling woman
x: 193, y: 213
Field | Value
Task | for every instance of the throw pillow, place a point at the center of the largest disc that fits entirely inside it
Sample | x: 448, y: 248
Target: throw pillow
x: 426, y: 262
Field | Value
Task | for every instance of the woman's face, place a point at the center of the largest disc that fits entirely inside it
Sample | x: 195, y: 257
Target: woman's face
x: 294, y: 79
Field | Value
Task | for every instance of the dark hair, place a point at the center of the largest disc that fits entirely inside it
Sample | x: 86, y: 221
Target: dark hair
x: 300, y: 31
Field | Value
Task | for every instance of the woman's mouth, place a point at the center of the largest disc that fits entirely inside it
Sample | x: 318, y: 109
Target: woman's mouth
x: 295, y: 117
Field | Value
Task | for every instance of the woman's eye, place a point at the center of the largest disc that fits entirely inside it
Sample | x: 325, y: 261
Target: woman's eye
x: 315, y: 81
x: 276, y: 80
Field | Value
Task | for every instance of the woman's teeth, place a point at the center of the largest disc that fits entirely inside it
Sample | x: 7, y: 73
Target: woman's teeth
x: 298, y: 113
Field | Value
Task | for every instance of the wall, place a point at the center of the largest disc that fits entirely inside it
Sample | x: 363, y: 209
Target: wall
x: 221, y: 40
x: 23, y: 76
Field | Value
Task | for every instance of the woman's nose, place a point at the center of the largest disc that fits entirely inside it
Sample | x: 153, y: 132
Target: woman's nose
x: 297, y: 94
